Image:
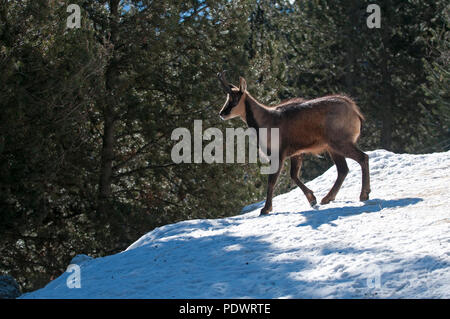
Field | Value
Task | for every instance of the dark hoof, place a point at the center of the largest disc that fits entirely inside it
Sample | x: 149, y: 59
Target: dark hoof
x: 325, y: 200
x: 265, y: 211
x: 363, y: 197
x: 311, y: 199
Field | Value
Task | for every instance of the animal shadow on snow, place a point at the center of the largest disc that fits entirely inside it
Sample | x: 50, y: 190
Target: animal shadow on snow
x: 316, y: 218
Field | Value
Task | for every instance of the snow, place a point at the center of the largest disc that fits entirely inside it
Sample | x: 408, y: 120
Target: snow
x: 396, y: 245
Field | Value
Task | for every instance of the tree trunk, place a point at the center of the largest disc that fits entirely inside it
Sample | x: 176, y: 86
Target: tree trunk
x: 386, y: 130
x: 107, y: 158
x: 388, y: 97
x: 107, y: 154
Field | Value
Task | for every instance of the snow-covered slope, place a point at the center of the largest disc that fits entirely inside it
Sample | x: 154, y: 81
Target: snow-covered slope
x: 396, y: 245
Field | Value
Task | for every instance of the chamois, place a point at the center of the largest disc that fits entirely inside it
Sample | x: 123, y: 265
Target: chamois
x: 327, y: 124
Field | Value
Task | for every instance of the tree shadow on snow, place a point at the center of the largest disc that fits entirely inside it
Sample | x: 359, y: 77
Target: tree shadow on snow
x: 316, y: 218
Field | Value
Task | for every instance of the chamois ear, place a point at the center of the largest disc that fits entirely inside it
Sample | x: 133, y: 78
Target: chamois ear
x: 242, y: 84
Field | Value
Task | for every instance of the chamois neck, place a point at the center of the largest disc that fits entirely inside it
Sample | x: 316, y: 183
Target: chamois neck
x: 256, y: 113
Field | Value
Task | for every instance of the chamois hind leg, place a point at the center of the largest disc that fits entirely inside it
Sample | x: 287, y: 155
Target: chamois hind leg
x: 350, y: 150
x: 270, y: 186
x: 296, y: 165
x: 342, y: 170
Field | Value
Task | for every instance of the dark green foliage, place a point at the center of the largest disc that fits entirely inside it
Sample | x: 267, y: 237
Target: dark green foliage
x: 87, y: 116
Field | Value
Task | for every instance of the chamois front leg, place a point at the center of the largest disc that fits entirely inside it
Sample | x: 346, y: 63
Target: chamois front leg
x: 272, y: 180
x: 296, y: 164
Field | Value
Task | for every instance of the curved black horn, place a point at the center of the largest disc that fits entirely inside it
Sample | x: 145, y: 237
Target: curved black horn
x: 225, y: 85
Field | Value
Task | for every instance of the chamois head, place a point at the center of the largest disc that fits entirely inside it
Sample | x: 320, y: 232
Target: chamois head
x: 235, y: 103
